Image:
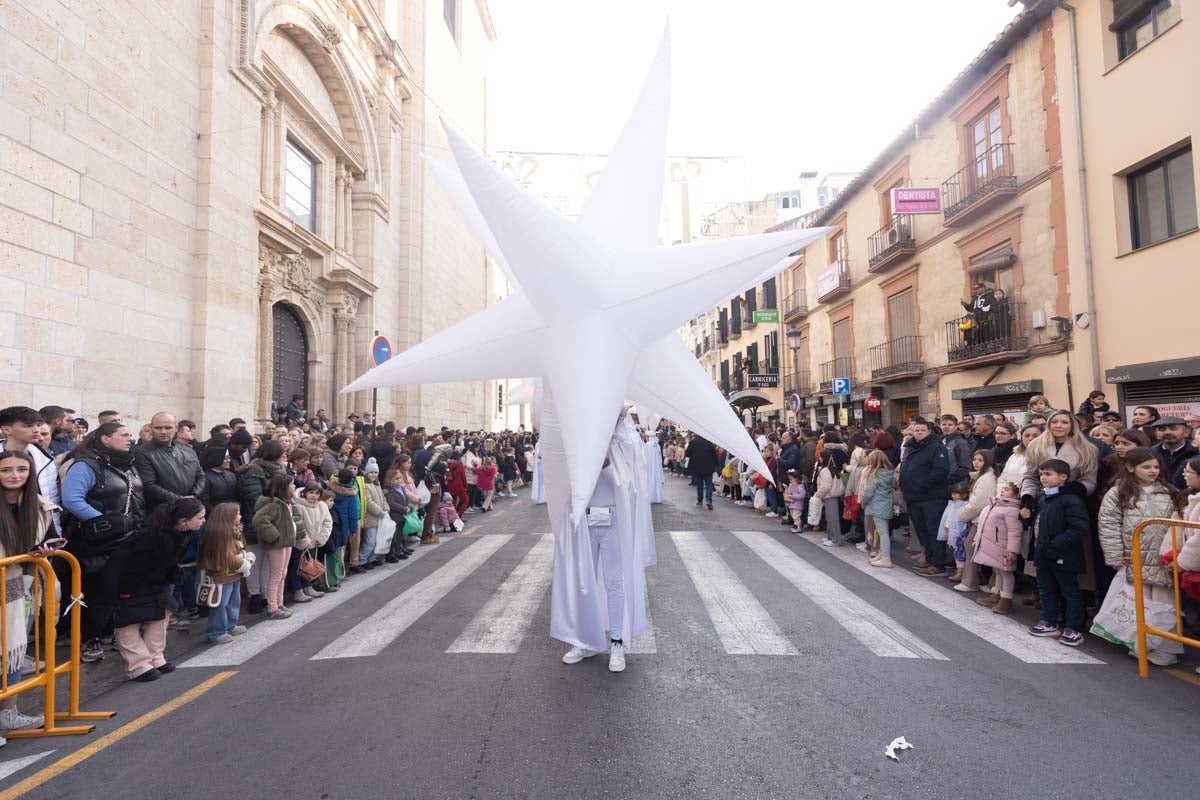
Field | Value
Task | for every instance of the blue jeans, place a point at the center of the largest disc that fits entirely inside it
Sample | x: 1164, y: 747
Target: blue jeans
x: 773, y: 503
x: 366, y: 549
x: 222, y: 618
x: 1052, y: 581
x: 704, y: 487
x: 186, y: 585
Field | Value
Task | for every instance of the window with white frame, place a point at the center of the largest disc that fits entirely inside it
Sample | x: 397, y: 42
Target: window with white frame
x: 300, y: 186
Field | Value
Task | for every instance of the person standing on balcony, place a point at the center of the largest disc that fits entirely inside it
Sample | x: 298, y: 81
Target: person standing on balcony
x: 981, y: 308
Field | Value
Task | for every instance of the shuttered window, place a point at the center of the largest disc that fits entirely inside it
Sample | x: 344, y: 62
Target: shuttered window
x: 841, y: 339
x: 1175, y: 390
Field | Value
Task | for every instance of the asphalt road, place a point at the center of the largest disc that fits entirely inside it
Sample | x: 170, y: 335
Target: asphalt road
x: 779, y: 670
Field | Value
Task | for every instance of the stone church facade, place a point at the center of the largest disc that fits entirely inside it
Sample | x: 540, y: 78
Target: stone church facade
x: 208, y: 206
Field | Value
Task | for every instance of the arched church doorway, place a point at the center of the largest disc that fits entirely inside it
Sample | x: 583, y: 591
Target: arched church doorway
x: 290, y: 373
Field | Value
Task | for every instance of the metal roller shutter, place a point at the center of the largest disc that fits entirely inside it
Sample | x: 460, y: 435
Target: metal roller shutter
x: 996, y: 405
x: 1174, y: 390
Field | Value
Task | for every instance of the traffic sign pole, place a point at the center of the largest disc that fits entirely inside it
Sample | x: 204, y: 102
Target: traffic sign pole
x: 374, y: 401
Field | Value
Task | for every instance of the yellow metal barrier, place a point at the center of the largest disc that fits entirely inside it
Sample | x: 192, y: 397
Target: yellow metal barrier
x: 43, y: 643
x: 1142, y: 628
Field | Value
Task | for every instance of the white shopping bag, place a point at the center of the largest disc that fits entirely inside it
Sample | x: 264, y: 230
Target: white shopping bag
x: 815, y: 505
x: 457, y: 525
x: 384, y: 535
x: 1117, y: 618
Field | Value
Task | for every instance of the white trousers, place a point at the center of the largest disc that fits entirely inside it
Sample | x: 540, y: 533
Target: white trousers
x: 606, y: 550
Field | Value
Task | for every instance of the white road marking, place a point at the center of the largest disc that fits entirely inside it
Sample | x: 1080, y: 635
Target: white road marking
x: 1007, y: 634
x: 17, y: 764
x: 376, y: 632
x: 503, y: 621
x: 878, y: 632
x: 273, y: 631
x: 743, y: 625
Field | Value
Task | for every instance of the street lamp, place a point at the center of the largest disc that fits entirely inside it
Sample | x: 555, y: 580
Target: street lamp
x: 793, y: 341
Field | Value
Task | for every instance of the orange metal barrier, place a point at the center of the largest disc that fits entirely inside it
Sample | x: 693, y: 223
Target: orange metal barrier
x: 42, y: 647
x: 1142, y: 628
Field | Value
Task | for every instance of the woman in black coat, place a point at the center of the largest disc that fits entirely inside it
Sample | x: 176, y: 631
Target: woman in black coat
x: 148, y: 567
x: 220, y: 485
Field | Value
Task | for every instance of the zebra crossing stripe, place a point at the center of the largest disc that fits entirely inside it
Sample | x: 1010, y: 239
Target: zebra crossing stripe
x: 742, y: 624
x: 262, y: 636
x: 995, y: 629
x: 503, y: 621
x: 373, y: 634
x: 878, y: 632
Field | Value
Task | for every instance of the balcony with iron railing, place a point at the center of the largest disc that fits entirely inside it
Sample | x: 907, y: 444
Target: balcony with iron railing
x: 892, y: 244
x: 797, y: 383
x: 837, y: 368
x: 897, y: 359
x: 795, y: 306
x: 993, y: 337
x: 986, y: 181
x: 834, y: 282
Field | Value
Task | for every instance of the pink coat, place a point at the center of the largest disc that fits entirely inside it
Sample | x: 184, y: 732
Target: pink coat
x: 999, y: 532
x: 447, y: 514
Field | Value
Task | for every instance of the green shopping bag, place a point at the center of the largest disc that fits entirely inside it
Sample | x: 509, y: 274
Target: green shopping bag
x: 413, y: 524
x: 335, y: 569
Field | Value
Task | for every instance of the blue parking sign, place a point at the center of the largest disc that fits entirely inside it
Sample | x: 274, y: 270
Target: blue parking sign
x: 841, y: 386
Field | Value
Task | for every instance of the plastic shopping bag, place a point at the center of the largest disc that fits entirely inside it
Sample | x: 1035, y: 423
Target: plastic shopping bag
x: 815, y: 505
x: 385, y: 535
x: 413, y: 524
x: 1117, y: 619
x: 760, y: 500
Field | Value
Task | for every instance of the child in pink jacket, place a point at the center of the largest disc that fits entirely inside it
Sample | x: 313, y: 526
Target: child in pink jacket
x: 795, y: 498
x: 485, y: 477
x: 447, y: 513
x: 997, y: 543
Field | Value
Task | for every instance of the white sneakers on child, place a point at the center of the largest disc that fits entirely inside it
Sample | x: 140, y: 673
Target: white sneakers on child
x: 13, y: 720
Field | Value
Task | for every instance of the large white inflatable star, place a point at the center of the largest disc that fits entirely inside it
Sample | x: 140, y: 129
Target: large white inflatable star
x: 596, y: 302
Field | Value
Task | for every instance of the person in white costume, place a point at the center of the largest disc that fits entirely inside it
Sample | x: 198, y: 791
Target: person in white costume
x: 537, y: 489
x: 654, y: 467
x: 599, y: 587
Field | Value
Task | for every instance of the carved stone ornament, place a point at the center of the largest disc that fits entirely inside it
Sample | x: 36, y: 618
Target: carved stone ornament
x: 332, y: 39
x: 350, y: 304
x: 298, y: 276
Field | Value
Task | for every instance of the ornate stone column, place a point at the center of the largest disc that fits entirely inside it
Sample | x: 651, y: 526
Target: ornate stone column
x: 348, y: 214
x: 267, y: 171
x: 339, y: 209
x: 266, y: 331
x: 343, y: 372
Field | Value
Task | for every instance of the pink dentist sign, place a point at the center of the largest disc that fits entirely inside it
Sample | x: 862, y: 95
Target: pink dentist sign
x: 916, y: 201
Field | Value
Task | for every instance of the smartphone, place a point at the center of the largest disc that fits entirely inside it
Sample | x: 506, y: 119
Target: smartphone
x: 54, y: 544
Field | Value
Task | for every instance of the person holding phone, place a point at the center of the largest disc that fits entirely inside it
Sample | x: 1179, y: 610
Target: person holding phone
x: 27, y: 527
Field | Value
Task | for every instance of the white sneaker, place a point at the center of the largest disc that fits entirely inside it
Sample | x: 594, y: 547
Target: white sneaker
x: 771, y: 515
x: 962, y: 587
x: 300, y: 597
x: 861, y: 547
x: 1155, y: 657
x: 313, y: 592
x: 577, y: 654
x: 12, y: 720
x: 827, y: 542
x: 616, y: 657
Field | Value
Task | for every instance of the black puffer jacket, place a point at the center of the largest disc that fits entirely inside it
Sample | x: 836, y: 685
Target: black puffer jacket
x: 168, y: 472
x: 1060, y: 527
x: 924, y: 470
x: 702, y: 457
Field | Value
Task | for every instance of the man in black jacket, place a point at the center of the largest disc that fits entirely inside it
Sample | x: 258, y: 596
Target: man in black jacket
x: 1174, y: 447
x: 924, y: 476
x: 985, y: 434
x: 702, y: 463
x: 168, y: 470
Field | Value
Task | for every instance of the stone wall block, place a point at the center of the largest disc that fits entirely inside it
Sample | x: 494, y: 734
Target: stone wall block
x: 35, y: 234
x: 38, y: 169
x: 73, y: 216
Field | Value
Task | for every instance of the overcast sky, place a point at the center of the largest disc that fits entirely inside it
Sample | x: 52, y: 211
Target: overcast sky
x: 788, y: 84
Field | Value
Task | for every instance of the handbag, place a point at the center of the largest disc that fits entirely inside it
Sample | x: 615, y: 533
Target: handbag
x: 208, y: 592
x: 310, y: 569
x: 851, y: 508
x: 967, y: 324
x: 759, y: 480
x: 727, y: 472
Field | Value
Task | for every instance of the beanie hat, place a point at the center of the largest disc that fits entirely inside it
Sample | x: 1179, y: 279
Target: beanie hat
x: 345, y: 477
x: 372, y: 466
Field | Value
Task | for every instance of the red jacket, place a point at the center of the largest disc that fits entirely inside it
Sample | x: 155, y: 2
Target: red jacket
x: 456, y: 478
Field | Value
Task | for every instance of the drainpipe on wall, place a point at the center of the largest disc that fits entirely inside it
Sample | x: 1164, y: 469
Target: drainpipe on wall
x: 1088, y: 269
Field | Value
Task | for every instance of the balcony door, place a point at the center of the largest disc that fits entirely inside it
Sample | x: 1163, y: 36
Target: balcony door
x: 986, y: 135
x: 902, y: 322
x: 843, y: 348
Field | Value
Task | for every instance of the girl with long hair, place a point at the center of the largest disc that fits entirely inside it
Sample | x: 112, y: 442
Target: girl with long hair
x: 26, y: 525
x: 983, y: 489
x: 223, y: 557
x: 875, y: 496
x: 149, y: 566
x: 277, y: 523
x: 1113, y: 464
x: 1143, y: 492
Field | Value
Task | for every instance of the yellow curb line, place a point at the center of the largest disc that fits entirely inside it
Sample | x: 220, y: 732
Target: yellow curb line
x: 109, y: 739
